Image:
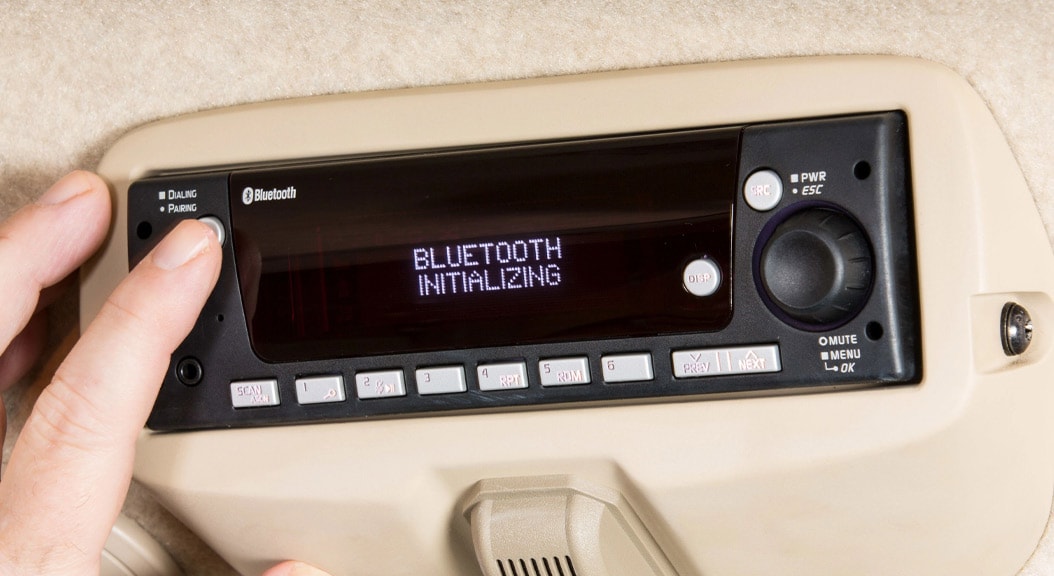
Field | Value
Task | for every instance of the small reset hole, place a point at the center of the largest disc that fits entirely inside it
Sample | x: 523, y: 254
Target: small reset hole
x: 219, y: 318
x: 144, y: 230
x: 874, y: 331
x: 862, y: 170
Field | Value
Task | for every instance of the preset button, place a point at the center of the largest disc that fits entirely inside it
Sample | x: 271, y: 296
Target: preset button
x: 564, y: 371
x: 381, y: 384
x: 441, y: 380
x: 320, y: 389
x: 504, y: 376
x: 627, y: 367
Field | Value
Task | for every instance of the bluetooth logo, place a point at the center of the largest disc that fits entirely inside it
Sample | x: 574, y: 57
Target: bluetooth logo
x: 247, y: 196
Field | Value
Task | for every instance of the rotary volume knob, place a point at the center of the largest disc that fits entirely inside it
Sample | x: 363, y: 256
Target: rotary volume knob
x: 817, y: 268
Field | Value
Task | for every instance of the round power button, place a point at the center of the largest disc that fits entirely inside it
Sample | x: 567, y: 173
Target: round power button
x: 217, y: 227
x: 702, y: 277
x: 763, y: 190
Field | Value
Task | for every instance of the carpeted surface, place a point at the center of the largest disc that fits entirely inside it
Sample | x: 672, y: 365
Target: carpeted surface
x: 74, y: 76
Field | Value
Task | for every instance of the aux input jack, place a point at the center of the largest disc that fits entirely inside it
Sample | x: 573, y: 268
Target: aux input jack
x: 189, y: 371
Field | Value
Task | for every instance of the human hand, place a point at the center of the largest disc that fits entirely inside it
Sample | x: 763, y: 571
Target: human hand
x: 72, y: 463
x: 71, y: 466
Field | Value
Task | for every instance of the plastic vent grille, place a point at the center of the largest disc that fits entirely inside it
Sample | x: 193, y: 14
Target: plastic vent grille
x: 537, y: 567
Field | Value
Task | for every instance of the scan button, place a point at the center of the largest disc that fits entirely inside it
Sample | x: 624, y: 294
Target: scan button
x: 254, y: 393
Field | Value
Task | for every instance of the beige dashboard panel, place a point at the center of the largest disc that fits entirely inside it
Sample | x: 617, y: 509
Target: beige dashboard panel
x: 952, y: 476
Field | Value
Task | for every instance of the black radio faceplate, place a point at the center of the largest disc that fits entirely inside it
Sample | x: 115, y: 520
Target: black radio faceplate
x: 766, y: 257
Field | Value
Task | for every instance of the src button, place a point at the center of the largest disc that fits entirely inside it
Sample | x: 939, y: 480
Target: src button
x: 817, y: 268
x: 763, y: 190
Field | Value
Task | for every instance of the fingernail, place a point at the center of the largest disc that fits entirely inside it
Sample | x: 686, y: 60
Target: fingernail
x: 70, y: 185
x: 189, y: 239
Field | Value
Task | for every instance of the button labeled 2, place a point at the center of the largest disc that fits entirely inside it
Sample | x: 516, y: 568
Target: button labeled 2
x: 380, y: 384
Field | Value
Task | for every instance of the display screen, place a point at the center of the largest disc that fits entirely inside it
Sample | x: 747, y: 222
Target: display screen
x: 526, y: 244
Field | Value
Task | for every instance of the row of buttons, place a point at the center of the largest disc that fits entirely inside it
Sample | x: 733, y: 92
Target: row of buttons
x: 511, y: 375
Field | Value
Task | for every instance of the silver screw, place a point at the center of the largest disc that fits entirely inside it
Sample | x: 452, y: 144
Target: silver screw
x: 1016, y: 329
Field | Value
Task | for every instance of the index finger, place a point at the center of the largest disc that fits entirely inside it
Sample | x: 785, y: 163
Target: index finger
x: 45, y: 241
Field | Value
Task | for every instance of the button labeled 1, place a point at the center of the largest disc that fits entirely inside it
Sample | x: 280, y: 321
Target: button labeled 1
x: 320, y: 389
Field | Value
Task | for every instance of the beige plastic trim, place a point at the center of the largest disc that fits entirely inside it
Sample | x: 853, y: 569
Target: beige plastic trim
x: 953, y: 476
x: 540, y: 525
x: 131, y: 551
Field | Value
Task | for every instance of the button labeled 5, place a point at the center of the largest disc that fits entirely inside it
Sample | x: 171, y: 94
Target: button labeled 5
x: 564, y: 371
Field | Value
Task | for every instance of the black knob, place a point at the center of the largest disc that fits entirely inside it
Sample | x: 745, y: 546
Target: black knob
x: 817, y: 267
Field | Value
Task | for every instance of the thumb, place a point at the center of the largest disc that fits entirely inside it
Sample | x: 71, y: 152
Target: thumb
x: 72, y: 462
x: 290, y: 568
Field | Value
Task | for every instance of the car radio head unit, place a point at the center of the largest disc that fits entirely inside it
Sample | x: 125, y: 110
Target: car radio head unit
x: 590, y: 306
x: 770, y: 256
